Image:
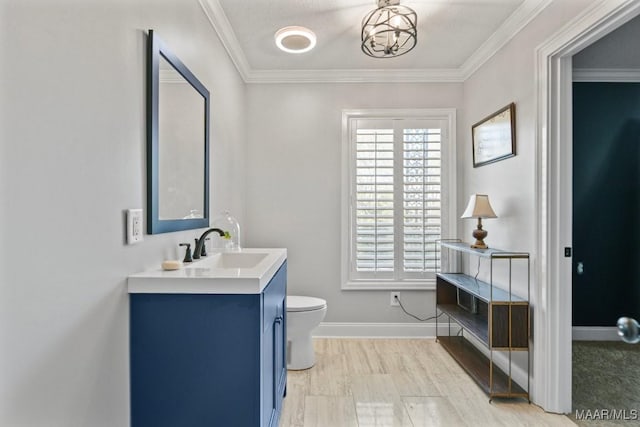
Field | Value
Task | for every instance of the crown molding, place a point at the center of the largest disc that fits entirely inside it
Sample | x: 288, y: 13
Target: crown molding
x: 621, y: 75
x: 222, y: 27
x: 524, y: 14
x: 516, y: 22
x: 355, y: 76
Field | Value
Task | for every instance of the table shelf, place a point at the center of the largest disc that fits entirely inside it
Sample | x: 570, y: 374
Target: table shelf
x: 498, y: 319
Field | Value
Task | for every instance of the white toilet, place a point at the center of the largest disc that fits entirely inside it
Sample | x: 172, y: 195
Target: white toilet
x: 303, y: 315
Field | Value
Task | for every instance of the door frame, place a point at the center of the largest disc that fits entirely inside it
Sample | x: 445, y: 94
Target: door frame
x: 553, y: 165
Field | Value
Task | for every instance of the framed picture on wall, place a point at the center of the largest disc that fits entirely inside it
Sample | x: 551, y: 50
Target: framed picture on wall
x: 494, y: 137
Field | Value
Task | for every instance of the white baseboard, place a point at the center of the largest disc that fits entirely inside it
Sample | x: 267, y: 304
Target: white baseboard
x: 380, y: 330
x: 595, y: 333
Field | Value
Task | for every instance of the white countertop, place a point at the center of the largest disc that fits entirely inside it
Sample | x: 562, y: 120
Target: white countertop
x: 208, y: 275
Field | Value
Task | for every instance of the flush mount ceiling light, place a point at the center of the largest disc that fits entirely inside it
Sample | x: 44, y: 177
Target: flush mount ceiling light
x: 295, y: 39
x: 389, y: 30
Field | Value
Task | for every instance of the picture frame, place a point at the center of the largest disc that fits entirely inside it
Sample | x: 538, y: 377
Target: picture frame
x: 494, y: 137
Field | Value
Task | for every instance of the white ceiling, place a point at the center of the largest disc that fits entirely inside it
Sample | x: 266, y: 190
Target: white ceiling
x: 454, y: 38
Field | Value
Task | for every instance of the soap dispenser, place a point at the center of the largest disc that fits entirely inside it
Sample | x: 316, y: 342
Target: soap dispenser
x: 230, y: 225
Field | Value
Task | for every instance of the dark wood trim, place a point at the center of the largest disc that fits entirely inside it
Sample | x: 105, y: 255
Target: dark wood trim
x: 476, y: 324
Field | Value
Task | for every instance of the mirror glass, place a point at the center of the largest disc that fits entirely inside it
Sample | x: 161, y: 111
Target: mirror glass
x: 178, y: 144
x: 181, y: 156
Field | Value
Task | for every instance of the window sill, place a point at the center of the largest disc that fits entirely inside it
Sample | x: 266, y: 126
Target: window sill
x: 383, y: 285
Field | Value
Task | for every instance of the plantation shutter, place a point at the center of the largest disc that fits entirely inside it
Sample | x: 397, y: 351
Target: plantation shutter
x: 374, y: 199
x: 396, y: 198
x: 421, y: 198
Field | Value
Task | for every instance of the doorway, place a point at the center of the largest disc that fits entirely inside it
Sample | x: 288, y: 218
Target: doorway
x: 553, y: 295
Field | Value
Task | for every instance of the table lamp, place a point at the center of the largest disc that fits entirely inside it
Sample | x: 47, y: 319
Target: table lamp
x: 479, y: 207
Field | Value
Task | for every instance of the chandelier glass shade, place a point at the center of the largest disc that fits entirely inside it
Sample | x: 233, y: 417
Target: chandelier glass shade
x: 389, y: 30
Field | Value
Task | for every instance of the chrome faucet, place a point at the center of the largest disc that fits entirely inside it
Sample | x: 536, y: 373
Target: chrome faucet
x: 197, y: 252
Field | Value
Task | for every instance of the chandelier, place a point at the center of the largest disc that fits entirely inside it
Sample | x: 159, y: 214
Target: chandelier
x: 389, y: 30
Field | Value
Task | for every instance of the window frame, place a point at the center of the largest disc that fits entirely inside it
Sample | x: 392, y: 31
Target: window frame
x: 448, y: 190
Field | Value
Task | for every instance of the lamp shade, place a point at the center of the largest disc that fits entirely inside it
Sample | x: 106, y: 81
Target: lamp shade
x: 479, y: 207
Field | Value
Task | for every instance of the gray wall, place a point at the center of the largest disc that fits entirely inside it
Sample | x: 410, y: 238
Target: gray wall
x: 617, y: 50
x: 294, y: 184
x: 509, y: 76
x: 72, y: 94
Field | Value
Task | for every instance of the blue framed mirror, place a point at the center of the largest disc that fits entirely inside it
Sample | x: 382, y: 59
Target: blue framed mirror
x: 177, y: 143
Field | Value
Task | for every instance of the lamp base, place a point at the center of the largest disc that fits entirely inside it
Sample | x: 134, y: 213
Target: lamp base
x: 479, y: 234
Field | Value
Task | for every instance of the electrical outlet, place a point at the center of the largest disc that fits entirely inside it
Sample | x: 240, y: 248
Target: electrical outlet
x: 395, y: 299
x: 134, y: 226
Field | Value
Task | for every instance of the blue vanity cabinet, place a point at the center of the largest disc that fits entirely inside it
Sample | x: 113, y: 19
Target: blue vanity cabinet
x: 208, y: 359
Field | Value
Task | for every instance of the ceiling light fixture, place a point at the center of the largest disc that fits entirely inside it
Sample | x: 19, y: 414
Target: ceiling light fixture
x: 389, y: 30
x: 295, y: 39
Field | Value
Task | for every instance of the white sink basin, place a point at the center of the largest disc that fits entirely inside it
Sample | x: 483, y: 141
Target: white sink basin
x: 231, y: 260
x: 244, y: 272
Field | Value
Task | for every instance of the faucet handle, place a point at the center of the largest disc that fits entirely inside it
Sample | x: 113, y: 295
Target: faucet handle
x: 187, y: 254
x: 203, y: 251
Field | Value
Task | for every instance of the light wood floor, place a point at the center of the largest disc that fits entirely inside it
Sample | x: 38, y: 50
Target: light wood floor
x: 396, y: 382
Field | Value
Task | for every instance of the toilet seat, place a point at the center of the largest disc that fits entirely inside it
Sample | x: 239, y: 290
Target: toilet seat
x: 299, y: 303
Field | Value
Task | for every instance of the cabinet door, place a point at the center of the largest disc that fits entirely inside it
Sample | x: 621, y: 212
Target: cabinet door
x: 195, y: 360
x: 279, y: 356
x: 273, y: 352
x: 268, y: 362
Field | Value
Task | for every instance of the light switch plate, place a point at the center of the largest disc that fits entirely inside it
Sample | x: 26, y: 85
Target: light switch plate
x: 134, y: 226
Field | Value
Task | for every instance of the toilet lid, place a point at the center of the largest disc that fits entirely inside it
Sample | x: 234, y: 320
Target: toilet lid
x: 298, y: 303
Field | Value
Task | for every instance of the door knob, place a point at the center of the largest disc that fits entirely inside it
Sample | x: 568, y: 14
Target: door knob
x: 629, y: 330
x: 580, y: 268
